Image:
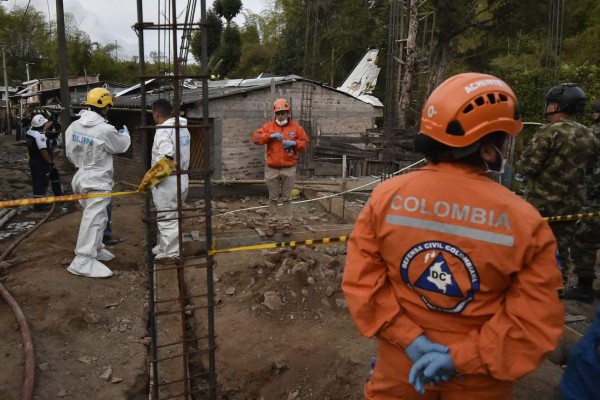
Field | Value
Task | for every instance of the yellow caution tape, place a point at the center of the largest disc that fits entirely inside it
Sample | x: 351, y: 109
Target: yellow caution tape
x: 265, y: 246
x: 343, y: 239
x: 571, y: 217
x: 57, y: 199
x: 159, y: 171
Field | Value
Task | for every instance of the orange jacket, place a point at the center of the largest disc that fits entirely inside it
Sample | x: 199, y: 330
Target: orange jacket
x: 447, y: 252
x: 277, y: 156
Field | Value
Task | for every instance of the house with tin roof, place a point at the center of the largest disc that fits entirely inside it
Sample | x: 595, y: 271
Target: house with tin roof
x: 236, y: 108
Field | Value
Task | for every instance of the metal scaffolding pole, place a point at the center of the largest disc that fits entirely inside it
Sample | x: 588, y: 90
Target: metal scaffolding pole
x: 8, y: 116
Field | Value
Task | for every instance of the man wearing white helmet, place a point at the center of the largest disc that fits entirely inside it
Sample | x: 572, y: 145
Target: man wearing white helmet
x: 40, y: 159
x: 90, y: 143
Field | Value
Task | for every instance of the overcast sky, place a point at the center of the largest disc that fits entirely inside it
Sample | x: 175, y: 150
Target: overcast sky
x: 107, y: 21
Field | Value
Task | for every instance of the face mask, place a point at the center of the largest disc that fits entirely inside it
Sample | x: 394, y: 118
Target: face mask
x: 281, y: 123
x: 498, y: 168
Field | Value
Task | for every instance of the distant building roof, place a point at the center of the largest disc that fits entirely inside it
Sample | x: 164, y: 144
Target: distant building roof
x: 192, y: 90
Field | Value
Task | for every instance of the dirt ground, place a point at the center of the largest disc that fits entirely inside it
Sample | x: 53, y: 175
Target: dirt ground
x: 283, y: 329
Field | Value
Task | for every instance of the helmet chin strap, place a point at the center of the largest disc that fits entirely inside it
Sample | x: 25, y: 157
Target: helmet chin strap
x: 552, y: 113
x: 465, y: 151
x: 558, y: 111
x: 496, y: 168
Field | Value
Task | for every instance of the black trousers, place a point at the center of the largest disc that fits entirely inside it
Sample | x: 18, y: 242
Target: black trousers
x: 40, y: 177
x: 55, y: 182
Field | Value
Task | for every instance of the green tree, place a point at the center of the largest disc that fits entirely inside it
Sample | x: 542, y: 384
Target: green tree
x: 227, y: 55
x: 228, y: 9
x: 214, y: 29
x: 25, y: 36
x: 229, y: 50
x: 323, y: 40
x: 581, y: 47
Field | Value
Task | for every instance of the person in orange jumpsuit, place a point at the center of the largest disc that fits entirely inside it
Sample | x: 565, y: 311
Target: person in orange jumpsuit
x: 284, y: 139
x: 455, y: 275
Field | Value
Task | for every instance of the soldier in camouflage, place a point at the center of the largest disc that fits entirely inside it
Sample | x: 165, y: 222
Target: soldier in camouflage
x: 555, y: 163
x: 596, y: 118
x: 587, y: 239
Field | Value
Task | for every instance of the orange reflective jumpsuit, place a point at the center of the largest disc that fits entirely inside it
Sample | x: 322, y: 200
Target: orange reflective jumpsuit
x: 447, y: 252
x: 277, y: 156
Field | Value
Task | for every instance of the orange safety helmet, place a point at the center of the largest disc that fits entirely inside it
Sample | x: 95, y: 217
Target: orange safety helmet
x: 467, y: 107
x: 281, y: 105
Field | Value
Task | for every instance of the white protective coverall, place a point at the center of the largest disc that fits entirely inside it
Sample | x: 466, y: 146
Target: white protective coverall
x: 90, y: 143
x: 164, y: 194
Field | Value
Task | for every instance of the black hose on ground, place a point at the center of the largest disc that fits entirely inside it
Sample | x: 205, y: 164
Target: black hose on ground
x: 21, y: 320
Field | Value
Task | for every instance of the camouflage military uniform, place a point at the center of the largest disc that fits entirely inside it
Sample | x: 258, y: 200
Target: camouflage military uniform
x: 588, y: 230
x: 554, y: 165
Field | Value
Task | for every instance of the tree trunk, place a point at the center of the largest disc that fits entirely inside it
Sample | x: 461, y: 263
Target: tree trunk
x: 410, y: 66
x: 438, y: 67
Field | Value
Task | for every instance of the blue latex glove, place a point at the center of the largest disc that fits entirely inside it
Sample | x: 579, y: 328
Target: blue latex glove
x: 276, y: 135
x: 432, y: 368
x: 421, y: 345
x: 289, y: 143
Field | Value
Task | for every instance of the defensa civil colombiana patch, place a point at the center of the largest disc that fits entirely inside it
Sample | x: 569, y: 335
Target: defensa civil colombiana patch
x: 441, y: 274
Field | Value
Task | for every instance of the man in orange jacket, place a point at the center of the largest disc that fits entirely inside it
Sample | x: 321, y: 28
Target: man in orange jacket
x: 454, y: 274
x: 284, y: 139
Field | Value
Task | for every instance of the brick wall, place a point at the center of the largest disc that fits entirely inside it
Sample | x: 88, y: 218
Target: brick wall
x: 238, y: 158
x: 236, y: 117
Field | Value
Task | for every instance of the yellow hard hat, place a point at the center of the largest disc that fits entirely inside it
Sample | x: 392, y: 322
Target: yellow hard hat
x: 295, y: 194
x: 99, y: 97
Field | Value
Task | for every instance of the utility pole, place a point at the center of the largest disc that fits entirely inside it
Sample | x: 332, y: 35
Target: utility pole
x: 65, y: 97
x: 8, y: 119
x: 27, y: 70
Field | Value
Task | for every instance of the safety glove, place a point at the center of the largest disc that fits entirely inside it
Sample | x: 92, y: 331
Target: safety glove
x: 276, y: 135
x: 431, y: 368
x: 421, y: 345
x: 288, y: 144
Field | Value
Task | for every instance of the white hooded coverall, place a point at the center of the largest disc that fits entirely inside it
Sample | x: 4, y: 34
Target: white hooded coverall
x: 164, y: 194
x: 90, y: 143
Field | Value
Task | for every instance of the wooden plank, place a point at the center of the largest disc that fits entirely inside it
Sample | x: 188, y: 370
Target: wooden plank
x: 573, y: 318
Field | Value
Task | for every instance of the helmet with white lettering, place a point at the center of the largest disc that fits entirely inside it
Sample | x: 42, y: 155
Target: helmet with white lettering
x: 568, y: 96
x: 281, y: 105
x: 38, y: 121
x: 99, y: 97
x: 467, y: 107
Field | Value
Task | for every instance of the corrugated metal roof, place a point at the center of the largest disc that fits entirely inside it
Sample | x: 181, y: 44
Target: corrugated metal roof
x: 192, y: 91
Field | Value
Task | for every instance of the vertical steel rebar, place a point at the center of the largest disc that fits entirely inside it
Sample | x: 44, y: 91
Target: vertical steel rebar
x: 182, y: 310
x: 208, y: 208
x: 148, y: 230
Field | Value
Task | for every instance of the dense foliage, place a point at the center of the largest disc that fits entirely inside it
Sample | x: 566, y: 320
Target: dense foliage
x: 323, y: 40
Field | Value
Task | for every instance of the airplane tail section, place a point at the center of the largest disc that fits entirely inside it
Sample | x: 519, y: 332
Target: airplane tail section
x: 363, y: 77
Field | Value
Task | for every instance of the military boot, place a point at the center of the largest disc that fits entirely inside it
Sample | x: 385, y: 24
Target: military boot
x: 270, y: 230
x: 584, y: 291
x: 287, y: 230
